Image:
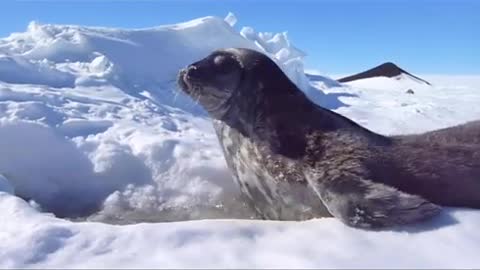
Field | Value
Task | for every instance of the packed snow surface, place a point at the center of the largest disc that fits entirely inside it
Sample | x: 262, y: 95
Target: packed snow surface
x: 94, y: 131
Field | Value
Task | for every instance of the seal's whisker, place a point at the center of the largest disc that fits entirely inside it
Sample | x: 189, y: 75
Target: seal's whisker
x: 175, y: 95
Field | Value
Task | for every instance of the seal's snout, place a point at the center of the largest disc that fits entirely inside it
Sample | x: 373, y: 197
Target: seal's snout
x: 193, y: 72
x: 188, y: 76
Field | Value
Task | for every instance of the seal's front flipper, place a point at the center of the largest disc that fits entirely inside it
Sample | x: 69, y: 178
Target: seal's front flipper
x: 365, y: 204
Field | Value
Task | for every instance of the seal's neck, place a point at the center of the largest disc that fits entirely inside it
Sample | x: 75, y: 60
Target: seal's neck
x: 272, y: 116
x: 285, y: 118
x: 277, y: 113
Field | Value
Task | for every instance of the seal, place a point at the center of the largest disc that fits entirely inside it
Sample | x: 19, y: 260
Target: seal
x: 295, y: 160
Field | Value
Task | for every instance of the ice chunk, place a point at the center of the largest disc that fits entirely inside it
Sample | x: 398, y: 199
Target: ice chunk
x: 231, y: 19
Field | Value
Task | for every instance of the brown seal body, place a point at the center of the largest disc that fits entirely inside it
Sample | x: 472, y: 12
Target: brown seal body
x: 296, y: 160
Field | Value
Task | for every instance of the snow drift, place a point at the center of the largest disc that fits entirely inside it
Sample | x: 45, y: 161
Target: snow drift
x: 92, y: 123
x: 132, y: 60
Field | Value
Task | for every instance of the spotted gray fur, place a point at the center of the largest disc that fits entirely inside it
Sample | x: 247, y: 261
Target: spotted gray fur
x: 295, y: 160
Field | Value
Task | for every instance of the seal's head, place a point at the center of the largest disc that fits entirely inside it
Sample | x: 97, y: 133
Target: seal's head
x: 233, y: 77
x: 213, y: 80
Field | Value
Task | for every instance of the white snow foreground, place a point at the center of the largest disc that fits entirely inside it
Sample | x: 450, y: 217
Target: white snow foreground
x: 92, y: 128
x: 32, y: 239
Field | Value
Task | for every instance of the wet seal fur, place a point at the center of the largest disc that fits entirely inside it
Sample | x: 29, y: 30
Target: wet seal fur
x: 296, y: 160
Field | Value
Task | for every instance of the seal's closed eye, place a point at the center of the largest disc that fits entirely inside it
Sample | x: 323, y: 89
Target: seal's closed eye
x: 224, y: 63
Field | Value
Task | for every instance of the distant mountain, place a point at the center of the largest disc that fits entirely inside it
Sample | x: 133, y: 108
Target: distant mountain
x: 388, y: 69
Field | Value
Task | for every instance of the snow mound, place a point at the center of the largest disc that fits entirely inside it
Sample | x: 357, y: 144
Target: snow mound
x: 128, y: 169
x: 133, y: 60
x: 288, y: 56
x: 20, y: 70
x: 92, y: 123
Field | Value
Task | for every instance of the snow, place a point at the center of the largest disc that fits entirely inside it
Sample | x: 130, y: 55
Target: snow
x: 444, y: 103
x: 93, y: 131
x: 105, y: 100
x: 32, y: 239
x: 231, y: 19
x: 20, y: 70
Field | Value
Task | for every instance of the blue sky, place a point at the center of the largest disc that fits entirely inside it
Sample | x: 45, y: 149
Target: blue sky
x: 340, y: 37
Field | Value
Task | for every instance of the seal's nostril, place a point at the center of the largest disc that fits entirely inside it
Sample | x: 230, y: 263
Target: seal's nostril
x: 192, y: 71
